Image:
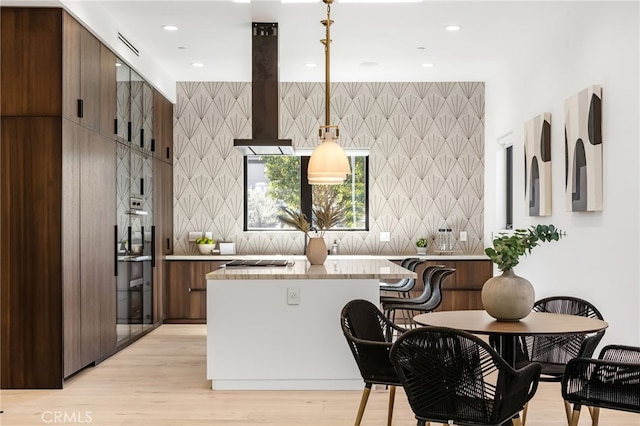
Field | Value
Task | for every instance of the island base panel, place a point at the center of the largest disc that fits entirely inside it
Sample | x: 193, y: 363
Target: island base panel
x: 257, y: 341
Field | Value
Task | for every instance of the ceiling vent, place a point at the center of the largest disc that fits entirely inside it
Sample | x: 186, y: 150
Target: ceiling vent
x: 129, y: 45
x: 265, y: 98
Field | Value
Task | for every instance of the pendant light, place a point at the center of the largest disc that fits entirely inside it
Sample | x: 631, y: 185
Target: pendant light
x: 328, y: 165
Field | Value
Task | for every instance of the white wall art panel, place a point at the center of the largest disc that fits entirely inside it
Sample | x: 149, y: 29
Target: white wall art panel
x: 426, y: 162
x: 583, y: 150
x: 537, y: 154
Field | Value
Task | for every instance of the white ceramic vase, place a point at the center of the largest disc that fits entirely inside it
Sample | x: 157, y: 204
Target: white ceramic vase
x: 508, y: 297
x: 316, y: 251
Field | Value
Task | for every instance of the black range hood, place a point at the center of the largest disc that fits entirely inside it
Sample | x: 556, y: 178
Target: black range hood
x: 265, y: 99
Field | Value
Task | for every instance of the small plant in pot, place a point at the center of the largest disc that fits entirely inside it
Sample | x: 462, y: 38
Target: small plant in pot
x: 421, y: 245
x: 205, y: 245
x: 508, y: 297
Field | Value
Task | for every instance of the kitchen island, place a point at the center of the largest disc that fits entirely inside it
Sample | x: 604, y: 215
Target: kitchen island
x: 278, y: 328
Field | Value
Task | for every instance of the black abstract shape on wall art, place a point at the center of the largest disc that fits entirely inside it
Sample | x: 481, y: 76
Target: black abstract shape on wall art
x: 583, y: 151
x: 595, y: 121
x: 580, y: 184
x: 537, y: 142
x: 545, y: 142
x: 534, y: 189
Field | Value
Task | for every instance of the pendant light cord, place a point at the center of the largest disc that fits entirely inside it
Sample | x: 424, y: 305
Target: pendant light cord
x: 327, y: 63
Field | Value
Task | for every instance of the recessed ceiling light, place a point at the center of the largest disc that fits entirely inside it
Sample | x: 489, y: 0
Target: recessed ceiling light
x: 428, y: 65
x: 170, y: 28
x: 197, y: 64
x: 452, y: 27
x: 369, y: 64
x: 310, y: 65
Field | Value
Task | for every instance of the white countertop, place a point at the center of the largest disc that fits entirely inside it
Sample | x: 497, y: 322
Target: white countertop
x: 330, y: 257
x: 336, y: 267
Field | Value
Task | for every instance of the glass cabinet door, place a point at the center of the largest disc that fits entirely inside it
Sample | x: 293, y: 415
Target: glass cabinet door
x: 137, y: 107
x: 123, y: 100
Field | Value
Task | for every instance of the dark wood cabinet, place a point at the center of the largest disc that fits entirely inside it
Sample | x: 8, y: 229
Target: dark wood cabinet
x: 88, y: 278
x: 187, y: 290
x: 31, y: 261
x: 461, y: 290
x: 58, y: 174
x: 163, y: 215
x: 32, y: 91
x: 108, y: 92
x: 97, y: 245
x: 163, y: 128
x: 81, y: 74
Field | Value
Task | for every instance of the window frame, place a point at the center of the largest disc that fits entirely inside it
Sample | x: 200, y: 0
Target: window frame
x: 306, y: 196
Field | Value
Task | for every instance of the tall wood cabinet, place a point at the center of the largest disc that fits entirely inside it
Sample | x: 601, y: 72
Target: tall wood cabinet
x: 163, y: 199
x: 58, y: 254
x: 88, y: 279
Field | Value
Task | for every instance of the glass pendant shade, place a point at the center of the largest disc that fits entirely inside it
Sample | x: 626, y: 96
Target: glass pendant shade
x: 328, y: 165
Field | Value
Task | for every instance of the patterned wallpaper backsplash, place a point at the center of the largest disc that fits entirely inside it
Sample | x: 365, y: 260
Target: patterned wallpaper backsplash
x: 426, y: 164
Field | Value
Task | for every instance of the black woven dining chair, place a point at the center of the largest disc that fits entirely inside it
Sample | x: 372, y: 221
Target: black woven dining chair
x: 554, y: 352
x: 611, y: 381
x: 368, y: 333
x: 453, y: 377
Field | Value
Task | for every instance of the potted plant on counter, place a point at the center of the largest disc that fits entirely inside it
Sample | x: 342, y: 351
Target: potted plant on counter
x: 421, y: 245
x: 508, y: 297
x: 326, y: 215
x: 205, y: 245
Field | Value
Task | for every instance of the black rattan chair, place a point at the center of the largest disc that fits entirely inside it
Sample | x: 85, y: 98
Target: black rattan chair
x: 367, y: 331
x: 453, y: 377
x: 612, y: 381
x: 431, y: 297
x: 554, y: 352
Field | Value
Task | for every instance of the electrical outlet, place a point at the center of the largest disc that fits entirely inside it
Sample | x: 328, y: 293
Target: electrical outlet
x: 385, y: 236
x: 293, y: 296
x: 463, y: 236
x: 208, y: 235
x: 194, y: 236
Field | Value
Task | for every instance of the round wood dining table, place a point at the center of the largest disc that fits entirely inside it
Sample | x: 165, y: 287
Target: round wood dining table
x: 536, y: 323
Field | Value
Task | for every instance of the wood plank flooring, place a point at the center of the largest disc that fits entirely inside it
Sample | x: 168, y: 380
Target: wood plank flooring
x: 161, y: 381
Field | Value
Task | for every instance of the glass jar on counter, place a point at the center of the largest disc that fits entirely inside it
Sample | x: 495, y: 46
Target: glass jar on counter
x: 444, y: 239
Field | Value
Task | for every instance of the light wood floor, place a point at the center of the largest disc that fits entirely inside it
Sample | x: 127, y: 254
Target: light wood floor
x: 161, y: 381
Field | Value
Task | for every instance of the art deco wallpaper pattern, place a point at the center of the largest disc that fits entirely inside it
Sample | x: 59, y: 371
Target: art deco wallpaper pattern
x: 426, y: 164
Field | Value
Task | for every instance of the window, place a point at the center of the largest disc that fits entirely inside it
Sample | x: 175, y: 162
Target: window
x: 273, y: 181
x: 504, y: 182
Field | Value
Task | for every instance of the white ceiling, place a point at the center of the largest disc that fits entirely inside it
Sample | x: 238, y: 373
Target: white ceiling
x: 218, y: 34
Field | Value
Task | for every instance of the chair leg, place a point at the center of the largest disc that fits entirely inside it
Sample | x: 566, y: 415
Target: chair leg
x: 392, y: 396
x: 524, y: 413
x: 363, y: 403
x: 567, y: 411
x: 573, y: 421
x: 595, y: 415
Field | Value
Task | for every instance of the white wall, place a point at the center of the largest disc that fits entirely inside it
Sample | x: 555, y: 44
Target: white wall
x: 599, y: 258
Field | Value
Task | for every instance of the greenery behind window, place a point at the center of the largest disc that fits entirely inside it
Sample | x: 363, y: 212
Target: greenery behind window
x: 275, y: 181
